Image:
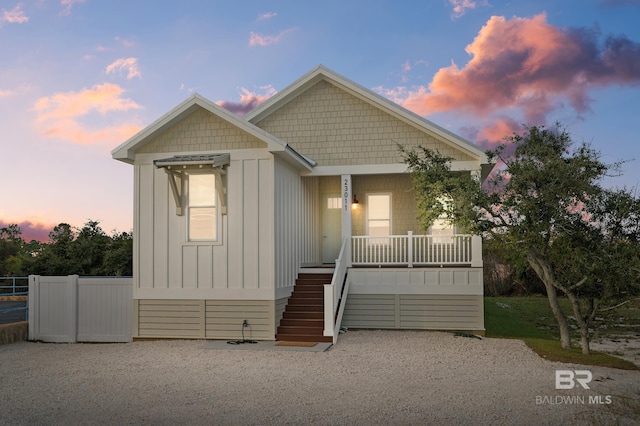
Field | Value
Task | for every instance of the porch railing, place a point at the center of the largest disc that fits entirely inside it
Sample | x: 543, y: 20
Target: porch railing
x: 417, y: 250
x: 335, y: 294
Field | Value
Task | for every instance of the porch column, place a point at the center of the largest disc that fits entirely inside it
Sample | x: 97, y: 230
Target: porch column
x: 347, y: 196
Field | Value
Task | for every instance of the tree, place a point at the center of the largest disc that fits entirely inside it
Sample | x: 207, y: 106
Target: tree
x: 11, y: 244
x: 546, y: 205
x: 89, y: 249
x: 118, y: 260
x: 84, y: 251
x: 16, y: 254
x: 56, y: 258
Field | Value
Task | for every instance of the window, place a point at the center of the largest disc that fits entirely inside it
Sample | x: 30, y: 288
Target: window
x: 203, y: 211
x: 442, y: 231
x: 378, y: 217
x: 334, y: 203
x: 442, y: 228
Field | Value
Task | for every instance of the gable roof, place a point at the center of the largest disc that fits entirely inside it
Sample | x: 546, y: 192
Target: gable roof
x: 321, y: 72
x: 126, y: 151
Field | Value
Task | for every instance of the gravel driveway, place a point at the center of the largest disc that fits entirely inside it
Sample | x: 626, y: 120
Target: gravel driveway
x: 369, y: 377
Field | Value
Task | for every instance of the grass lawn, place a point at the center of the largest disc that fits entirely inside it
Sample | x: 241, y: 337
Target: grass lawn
x: 530, y: 319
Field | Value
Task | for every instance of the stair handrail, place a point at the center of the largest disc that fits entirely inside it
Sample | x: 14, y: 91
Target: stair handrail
x: 335, y: 294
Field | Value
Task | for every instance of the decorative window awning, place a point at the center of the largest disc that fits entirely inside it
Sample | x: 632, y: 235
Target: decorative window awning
x: 178, y: 165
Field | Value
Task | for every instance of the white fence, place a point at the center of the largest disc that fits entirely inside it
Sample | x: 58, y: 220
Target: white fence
x: 76, y: 309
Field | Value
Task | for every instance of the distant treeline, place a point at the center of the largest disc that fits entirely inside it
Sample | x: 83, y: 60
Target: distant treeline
x: 87, y: 251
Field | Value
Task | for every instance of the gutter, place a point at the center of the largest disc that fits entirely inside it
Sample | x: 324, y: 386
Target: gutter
x: 289, y: 150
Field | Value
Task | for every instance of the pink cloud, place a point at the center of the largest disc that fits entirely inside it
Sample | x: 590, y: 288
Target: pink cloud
x: 248, y: 100
x: 493, y: 134
x: 256, y: 39
x: 78, y: 133
x: 398, y: 95
x: 528, y: 65
x: 14, y: 16
x: 128, y: 65
x: 58, y: 115
x: 460, y: 7
x: 4, y: 93
x: 31, y: 230
x: 101, y: 97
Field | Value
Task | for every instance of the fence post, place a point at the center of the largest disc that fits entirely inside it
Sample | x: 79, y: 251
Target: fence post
x: 73, y: 294
x: 32, y: 306
x: 410, y: 249
x: 476, y: 251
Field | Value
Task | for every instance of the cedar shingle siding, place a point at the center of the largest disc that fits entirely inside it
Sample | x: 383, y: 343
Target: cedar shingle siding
x: 335, y: 128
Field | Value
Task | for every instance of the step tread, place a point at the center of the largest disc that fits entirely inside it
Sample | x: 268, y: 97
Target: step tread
x: 306, y: 301
x: 303, y: 338
x: 303, y: 315
x: 315, y: 276
x: 307, y: 295
x: 312, y: 283
x: 318, y: 291
x: 305, y: 308
x: 302, y: 322
x: 301, y: 329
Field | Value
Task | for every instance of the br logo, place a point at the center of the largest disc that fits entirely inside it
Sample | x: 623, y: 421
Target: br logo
x: 566, y: 379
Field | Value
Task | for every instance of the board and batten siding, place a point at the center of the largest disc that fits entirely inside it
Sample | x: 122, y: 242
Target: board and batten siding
x: 296, y: 225
x: 204, y: 319
x: 237, y: 266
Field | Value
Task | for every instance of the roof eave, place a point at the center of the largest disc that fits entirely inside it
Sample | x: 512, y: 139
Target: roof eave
x: 126, y: 151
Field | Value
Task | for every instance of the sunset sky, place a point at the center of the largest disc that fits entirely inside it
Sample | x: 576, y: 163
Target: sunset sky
x: 79, y: 77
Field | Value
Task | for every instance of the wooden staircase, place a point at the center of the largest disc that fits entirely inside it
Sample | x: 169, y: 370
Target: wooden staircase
x: 303, y: 318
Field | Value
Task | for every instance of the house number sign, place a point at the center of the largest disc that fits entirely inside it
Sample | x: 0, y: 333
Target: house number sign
x: 346, y: 187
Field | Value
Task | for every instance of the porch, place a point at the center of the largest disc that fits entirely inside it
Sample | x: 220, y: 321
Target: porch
x: 406, y: 281
x: 384, y: 275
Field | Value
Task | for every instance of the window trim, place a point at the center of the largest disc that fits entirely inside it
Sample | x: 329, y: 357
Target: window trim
x: 216, y: 206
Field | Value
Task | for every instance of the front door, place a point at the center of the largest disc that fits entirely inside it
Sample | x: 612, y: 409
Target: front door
x: 331, y: 227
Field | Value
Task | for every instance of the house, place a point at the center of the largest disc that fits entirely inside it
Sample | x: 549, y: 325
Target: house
x: 296, y: 218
